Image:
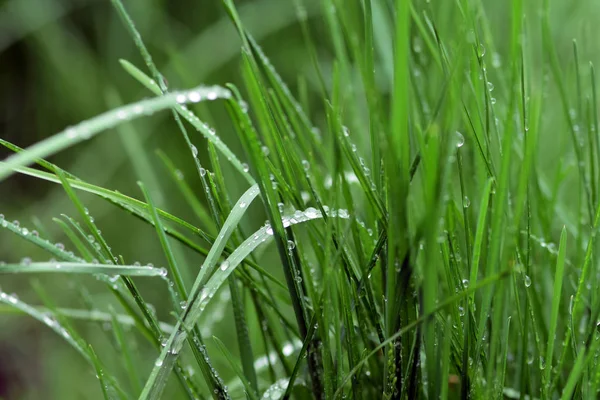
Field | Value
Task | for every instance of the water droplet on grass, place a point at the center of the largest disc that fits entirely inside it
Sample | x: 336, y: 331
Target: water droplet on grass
x: 311, y: 213
x: 481, y: 50
x: 224, y: 265
x: 527, y: 281
x: 194, y: 151
x: 194, y: 97
x: 460, y: 139
x: 466, y: 202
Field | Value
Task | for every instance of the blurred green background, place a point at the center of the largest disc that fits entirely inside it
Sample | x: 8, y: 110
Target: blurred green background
x: 59, y: 65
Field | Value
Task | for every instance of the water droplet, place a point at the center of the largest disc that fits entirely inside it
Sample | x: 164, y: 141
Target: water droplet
x: 269, y: 230
x: 305, y: 165
x: 163, y: 272
x: 194, y: 97
x: 481, y: 50
x: 245, y: 167
x: 16, y: 223
x: 466, y: 202
x: 243, y: 204
x: 212, y: 95
x: 26, y: 261
x: 527, y: 281
x: 183, y: 305
x: 465, y: 283
x: 194, y: 151
x: 493, y: 100
x: 158, y: 363
x: 460, y: 139
x: 224, y: 265
x: 461, y: 311
x: 291, y: 245
x: 25, y: 231
x: 71, y: 133
x: 311, y: 212
x: 490, y: 86
x: 343, y: 213
x: 202, y: 172
x: 180, y: 98
x: 265, y: 150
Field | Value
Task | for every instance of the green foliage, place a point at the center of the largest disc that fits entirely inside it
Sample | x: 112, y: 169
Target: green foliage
x: 401, y: 179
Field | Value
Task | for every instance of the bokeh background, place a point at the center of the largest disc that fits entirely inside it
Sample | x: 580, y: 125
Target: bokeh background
x: 59, y: 65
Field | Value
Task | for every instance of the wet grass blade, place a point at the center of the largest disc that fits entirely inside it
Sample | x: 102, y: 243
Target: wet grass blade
x: 87, y: 129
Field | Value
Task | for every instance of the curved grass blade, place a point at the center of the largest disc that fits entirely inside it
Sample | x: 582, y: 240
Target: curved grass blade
x: 201, y: 298
x: 80, y: 268
x: 168, y: 356
x: 88, y: 316
x: 189, y: 116
x: 140, y: 209
x: 91, y: 127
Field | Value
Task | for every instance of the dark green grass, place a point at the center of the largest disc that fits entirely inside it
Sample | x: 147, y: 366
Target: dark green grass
x: 428, y: 186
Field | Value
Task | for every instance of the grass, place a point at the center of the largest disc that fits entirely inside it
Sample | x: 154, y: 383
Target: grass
x: 413, y: 217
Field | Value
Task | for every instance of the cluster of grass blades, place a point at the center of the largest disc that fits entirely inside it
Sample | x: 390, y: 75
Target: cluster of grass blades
x: 407, y: 207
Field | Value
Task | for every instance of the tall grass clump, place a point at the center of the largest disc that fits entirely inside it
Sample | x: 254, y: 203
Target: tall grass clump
x: 430, y: 204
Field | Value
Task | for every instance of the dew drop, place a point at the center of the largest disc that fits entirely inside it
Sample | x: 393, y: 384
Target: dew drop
x: 26, y: 261
x: 246, y: 167
x: 194, y: 151
x: 212, y: 95
x: 305, y: 165
x: 194, y: 97
x: 224, y: 265
x: 343, y: 213
x: 481, y: 50
x: 460, y: 139
x: 243, y: 204
x: 527, y: 281
x: 466, y: 202
x: 311, y: 213
x: 291, y: 245
x: 202, y: 172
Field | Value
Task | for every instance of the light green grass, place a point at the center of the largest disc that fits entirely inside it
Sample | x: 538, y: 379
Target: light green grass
x: 413, y: 182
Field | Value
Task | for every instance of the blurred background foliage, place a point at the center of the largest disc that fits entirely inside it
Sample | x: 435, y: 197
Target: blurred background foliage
x: 59, y: 65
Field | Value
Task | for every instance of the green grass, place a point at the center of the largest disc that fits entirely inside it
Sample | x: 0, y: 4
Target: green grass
x: 404, y: 205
